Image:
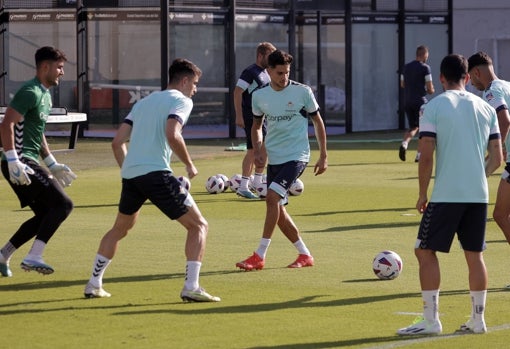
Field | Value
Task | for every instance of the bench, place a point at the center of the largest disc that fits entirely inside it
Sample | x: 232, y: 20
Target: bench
x: 60, y: 115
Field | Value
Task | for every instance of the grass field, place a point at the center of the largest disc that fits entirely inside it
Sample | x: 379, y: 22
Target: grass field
x: 363, y: 204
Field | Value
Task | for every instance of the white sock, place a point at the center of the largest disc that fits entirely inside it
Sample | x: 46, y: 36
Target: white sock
x: 36, y: 252
x: 430, y: 305
x: 192, y: 274
x: 100, y: 264
x: 404, y: 144
x: 257, y: 179
x: 301, y: 247
x: 244, y: 183
x: 7, y: 251
x: 263, y: 246
x: 478, y: 299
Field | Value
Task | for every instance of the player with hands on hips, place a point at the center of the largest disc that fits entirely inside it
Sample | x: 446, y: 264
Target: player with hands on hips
x: 22, y: 133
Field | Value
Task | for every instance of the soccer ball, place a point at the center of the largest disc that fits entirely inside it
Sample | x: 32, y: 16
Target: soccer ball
x: 297, y: 187
x: 185, y: 182
x: 225, y: 180
x: 235, y: 182
x: 214, y: 185
x: 261, y: 189
x: 387, y: 265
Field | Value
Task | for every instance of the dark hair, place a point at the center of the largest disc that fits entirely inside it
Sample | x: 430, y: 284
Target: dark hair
x: 479, y: 58
x: 454, y: 68
x: 180, y: 68
x: 279, y: 57
x: 48, y: 53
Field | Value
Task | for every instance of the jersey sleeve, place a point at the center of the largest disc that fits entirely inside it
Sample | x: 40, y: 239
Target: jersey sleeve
x: 181, y: 110
x: 255, y: 106
x: 24, y: 100
x: 311, y: 104
x: 427, y: 120
x: 496, y: 99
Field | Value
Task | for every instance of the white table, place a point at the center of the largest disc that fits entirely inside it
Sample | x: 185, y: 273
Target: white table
x: 61, y: 116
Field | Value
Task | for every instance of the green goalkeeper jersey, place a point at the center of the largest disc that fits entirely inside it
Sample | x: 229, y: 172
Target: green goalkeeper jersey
x: 33, y: 101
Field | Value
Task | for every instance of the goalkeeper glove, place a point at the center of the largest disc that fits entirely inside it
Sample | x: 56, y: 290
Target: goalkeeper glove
x: 61, y: 172
x: 18, y: 171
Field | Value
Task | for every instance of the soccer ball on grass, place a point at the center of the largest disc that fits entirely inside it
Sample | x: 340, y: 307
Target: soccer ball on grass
x: 387, y: 265
x: 214, y: 185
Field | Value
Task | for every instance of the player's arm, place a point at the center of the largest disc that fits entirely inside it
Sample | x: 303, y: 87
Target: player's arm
x: 320, y: 133
x: 429, y: 85
x: 257, y: 140
x: 11, y: 118
x: 402, y: 83
x: 427, y: 146
x: 119, y: 146
x: 18, y: 171
x: 238, y: 100
x: 495, y: 157
x: 178, y: 145
x: 504, y: 126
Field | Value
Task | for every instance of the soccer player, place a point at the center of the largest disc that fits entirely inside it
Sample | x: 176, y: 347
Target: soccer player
x: 497, y: 93
x: 153, y: 129
x: 287, y: 106
x: 416, y: 80
x: 22, y: 132
x: 251, y: 79
x: 462, y: 127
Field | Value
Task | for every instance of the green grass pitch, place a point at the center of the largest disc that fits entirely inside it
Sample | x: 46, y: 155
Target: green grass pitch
x: 362, y: 205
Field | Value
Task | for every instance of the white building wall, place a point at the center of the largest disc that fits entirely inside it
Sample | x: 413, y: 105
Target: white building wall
x: 483, y: 26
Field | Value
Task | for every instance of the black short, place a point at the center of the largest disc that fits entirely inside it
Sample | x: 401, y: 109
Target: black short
x: 413, y: 115
x: 159, y: 187
x: 248, y: 123
x: 441, y: 221
x: 280, y: 177
x: 43, y: 191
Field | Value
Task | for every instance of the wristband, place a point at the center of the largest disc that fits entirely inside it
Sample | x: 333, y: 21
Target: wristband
x: 50, y: 160
x: 11, y: 155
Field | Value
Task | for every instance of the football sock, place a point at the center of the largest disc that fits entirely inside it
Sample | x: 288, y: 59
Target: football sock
x: 478, y: 299
x: 192, y: 273
x: 7, y: 251
x: 430, y: 305
x: 263, y: 246
x: 244, y: 183
x: 100, y: 264
x: 257, y: 179
x: 301, y: 247
x: 36, y: 252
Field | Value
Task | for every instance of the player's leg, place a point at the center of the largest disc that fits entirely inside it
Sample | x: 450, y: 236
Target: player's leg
x: 501, y: 211
x: 247, y: 164
x: 437, y: 230
x: 413, y: 117
x: 131, y: 199
x: 291, y: 231
x: 52, y: 206
x: 472, y: 238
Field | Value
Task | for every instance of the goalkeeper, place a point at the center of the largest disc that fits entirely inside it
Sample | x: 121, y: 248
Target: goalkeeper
x: 22, y: 134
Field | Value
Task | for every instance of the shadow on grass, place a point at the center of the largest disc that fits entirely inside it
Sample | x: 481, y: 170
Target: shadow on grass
x: 305, y: 302
x: 365, y: 226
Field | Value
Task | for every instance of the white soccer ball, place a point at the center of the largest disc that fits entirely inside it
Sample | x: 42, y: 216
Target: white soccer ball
x: 214, y: 185
x: 261, y: 190
x: 185, y: 182
x: 225, y: 180
x: 387, y: 265
x: 235, y: 182
x: 297, y: 187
